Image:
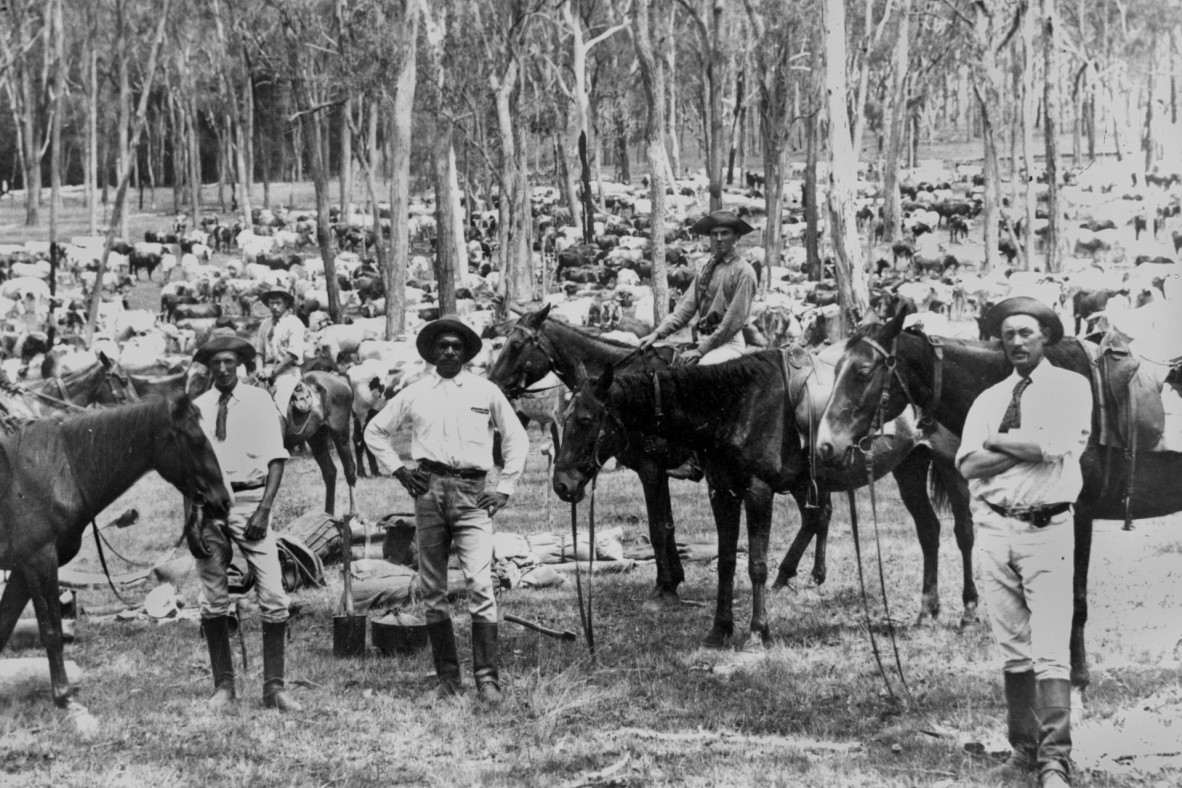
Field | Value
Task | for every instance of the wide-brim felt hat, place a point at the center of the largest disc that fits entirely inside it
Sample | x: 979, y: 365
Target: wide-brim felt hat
x: 286, y: 296
x: 1023, y: 305
x: 721, y: 219
x: 448, y: 324
x: 225, y: 343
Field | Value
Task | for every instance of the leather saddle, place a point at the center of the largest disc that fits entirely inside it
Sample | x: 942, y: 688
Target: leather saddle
x: 1129, y: 393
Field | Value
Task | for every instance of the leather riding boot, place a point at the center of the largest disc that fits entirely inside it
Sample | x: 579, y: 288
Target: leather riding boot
x: 484, y: 661
x: 275, y: 694
x: 1023, y: 728
x: 447, y: 661
x: 691, y: 469
x: 1053, y: 710
x: 217, y: 637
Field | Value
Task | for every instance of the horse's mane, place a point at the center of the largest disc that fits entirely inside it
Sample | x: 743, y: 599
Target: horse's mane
x: 591, y: 335
x: 717, y: 387
x: 89, y: 434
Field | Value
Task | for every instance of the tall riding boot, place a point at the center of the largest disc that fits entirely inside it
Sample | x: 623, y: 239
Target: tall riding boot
x: 217, y: 636
x: 484, y: 661
x: 1053, y: 710
x: 275, y: 695
x: 1023, y: 728
x: 447, y: 661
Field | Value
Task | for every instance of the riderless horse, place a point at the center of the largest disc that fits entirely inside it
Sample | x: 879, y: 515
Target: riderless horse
x: 885, y: 369
x: 57, y: 475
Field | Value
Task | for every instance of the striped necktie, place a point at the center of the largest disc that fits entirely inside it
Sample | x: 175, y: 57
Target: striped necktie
x: 1012, y: 419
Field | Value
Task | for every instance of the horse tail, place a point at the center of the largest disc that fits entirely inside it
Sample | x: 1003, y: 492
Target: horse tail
x: 937, y: 492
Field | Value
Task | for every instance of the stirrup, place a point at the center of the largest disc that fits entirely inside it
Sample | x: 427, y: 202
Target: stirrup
x: 301, y: 399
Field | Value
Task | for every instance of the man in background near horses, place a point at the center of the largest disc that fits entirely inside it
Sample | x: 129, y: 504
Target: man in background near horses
x: 1020, y: 450
x: 282, y: 345
x: 243, y: 427
x: 720, y: 295
x: 452, y: 414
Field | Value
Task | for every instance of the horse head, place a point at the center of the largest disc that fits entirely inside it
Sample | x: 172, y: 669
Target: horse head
x: 861, y: 376
x: 593, y: 432
x: 524, y: 359
x: 185, y: 458
x: 115, y: 387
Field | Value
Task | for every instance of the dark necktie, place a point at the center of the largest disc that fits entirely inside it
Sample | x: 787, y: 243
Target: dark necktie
x: 705, y: 277
x: 1012, y: 420
x: 223, y: 404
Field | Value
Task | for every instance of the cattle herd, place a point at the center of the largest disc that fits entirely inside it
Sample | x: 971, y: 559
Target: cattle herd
x: 1122, y: 233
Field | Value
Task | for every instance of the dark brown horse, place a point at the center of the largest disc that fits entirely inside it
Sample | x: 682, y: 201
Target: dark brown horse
x: 886, y: 368
x: 57, y: 475
x: 744, y: 418
x: 102, y: 383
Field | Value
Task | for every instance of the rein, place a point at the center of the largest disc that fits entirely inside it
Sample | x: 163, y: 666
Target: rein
x: 927, y: 413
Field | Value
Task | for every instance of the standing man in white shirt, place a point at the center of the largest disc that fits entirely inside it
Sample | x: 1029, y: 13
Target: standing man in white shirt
x: 452, y: 414
x: 282, y: 345
x: 1020, y: 450
x: 243, y: 427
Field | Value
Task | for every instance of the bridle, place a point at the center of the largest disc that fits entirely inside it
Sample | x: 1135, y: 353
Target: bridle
x: 592, y: 466
x: 927, y: 412
x: 533, y: 340
x: 125, y: 392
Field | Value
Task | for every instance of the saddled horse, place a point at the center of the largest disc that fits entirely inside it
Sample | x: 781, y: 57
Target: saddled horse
x: 57, y: 475
x: 537, y: 345
x: 885, y: 369
x: 102, y: 383
x: 745, y: 419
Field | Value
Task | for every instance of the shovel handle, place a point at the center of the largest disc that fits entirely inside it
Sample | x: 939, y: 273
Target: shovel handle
x: 565, y: 634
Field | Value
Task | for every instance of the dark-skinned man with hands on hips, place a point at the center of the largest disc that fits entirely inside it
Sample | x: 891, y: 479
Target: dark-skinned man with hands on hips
x: 1020, y: 451
x: 720, y: 295
x: 452, y: 414
x: 242, y: 423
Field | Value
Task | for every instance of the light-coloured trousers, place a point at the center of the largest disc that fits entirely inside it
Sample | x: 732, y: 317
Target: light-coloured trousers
x: 728, y: 352
x: 447, y: 518
x: 1027, y: 585
x: 262, y: 557
x: 284, y: 386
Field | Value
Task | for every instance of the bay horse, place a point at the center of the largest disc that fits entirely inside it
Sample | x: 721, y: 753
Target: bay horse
x: 57, y: 475
x: 537, y: 345
x: 102, y: 383
x: 745, y: 419
x: 885, y: 369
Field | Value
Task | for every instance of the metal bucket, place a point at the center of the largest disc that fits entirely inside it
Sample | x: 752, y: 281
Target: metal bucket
x: 348, y: 636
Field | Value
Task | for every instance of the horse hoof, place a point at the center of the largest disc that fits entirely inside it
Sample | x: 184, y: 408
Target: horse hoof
x: 819, y: 578
x: 925, y: 619
x: 969, y: 617
x: 661, y: 601
x: 754, y: 645
x: 783, y: 580
x: 717, y: 639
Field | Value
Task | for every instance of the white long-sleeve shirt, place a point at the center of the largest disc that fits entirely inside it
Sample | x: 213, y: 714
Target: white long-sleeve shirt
x: 1056, y: 413
x: 452, y: 422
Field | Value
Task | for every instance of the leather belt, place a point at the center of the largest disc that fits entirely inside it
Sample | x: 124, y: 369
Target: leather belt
x: 438, y: 468
x: 1038, y: 516
x: 244, y: 486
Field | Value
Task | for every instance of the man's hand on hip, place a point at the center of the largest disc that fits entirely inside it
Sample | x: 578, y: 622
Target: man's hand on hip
x: 492, y: 501
x: 415, y: 483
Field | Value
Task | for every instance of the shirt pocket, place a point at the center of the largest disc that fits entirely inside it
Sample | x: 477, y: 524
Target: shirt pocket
x: 476, y: 428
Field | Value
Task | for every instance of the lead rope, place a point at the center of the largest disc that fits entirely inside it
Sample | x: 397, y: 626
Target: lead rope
x: 866, y: 602
x: 583, y: 619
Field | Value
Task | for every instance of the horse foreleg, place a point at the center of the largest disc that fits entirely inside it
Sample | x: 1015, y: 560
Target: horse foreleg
x: 758, y: 502
x: 726, y: 504
x: 912, y: 477
x: 12, y: 604
x: 318, y: 443
x: 1080, y: 675
x: 957, y: 489
x: 661, y: 534
x: 361, y: 451
x: 341, y: 439
x: 40, y: 575
x: 814, y: 521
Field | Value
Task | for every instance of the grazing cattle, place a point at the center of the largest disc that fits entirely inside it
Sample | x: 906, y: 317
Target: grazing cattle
x: 902, y: 250
x: 681, y: 277
x: 182, y: 311
x: 958, y: 229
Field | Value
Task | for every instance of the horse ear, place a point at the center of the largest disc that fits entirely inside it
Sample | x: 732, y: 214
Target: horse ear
x: 603, y: 383
x: 894, y: 326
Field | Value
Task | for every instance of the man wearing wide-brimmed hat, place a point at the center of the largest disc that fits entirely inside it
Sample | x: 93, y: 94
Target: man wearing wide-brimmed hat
x: 243, y: 426
x: 452, y: 414
x: 1020, y: 450
x: 720, y: 295
x: 282, y: 346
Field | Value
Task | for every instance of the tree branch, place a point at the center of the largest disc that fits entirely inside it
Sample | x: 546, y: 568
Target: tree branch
x: 312, y: 110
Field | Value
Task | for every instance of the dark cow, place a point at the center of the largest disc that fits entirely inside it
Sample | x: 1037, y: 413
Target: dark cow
x: 588, y: 274
x: 577, y: 256
x: 958, y: 229
x: 1096, y: 225
x: 903, y: 250
x: 146, y: 261
x: 279, y: 262
x: 1090, y: 246
x: 1086, y: 303
x: 680, y: 277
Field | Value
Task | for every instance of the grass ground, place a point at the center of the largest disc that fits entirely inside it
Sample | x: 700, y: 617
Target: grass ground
x: 655, y: 709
